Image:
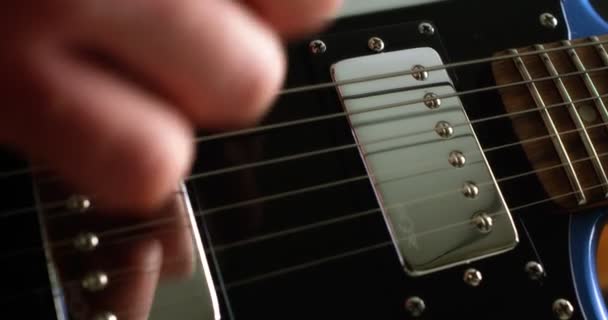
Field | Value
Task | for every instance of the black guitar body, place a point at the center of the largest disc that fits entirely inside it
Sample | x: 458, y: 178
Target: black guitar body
x: 337, y: 269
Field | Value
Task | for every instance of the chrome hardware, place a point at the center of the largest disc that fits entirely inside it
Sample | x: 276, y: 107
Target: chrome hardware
x: 426, y: 29
x: 432, y: 100
x: 376, y: 44
x: 473, y: 277
x: 470, y: 190
x: 580, y: 66
x: 412, y: 225
x: 415, y: 306
x: 444, y: 129
x: 563, y: 309
x: 576, y: 117
x: 457, y: 159
x: 535, y: 270
x: 86, y: 242
x: 601, y: 50
x: 419, y: 73
x: 483, y: 222
x: 95, y: 281
x: 555, y: 136
x: 105, y: 316
x: 317, y: 47
x: 78, y: 203
x: 548, y: 20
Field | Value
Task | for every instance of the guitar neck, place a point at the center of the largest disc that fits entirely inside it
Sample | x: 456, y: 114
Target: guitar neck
x: 561, y: 115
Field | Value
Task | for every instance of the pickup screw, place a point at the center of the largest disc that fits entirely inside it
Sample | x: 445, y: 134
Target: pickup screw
x: 548, y: 20
x: 105, y: 316
x: 419, y: 73
x: 415, y: 306
x: 444, y: 129
x: 432, y: 100
x: 535, y: 270
x: 376, y: 44
x: 470, y: 190
x: 563, y: 309
x: 317, y: 47
x: 86, y: 242
x: 473, y: 277
x: 95, y: 281
x: 78, y: 203
x: 426, y: 29
x: 483, y: 222
x: 457, y: 159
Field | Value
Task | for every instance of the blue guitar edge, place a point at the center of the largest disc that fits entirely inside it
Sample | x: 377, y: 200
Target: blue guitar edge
x: 585, y: 229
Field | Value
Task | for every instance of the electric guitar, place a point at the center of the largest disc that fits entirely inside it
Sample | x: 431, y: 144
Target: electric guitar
x: 426, y: 160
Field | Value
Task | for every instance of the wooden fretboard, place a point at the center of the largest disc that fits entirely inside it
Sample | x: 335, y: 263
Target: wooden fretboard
x: 572, y: 115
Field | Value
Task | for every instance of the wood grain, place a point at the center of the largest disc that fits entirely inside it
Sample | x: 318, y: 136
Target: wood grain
x: 542, y: 153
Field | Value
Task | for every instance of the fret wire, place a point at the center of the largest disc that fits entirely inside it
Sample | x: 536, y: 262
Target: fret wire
x: 558, y: 144
x: 575, y: 115
x: 159, y: 222
x: 260, y: 129
x: 591, y: 88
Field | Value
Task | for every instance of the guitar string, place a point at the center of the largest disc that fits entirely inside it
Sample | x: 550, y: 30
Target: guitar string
x: 328, y: 85
x: 283, y: 271
x: 126, y: 271
x: 388, y: 75
x: 58, y: 204
x: 162, y: 221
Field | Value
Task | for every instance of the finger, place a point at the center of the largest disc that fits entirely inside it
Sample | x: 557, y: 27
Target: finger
x: 103, y: 135
x: 216, y: 61
x: 295, y: 17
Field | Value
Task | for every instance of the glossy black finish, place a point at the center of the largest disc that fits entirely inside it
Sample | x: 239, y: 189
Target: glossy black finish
x: 372, y: 284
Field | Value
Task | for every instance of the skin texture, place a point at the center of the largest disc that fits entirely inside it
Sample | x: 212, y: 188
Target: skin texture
x: 108, y: 93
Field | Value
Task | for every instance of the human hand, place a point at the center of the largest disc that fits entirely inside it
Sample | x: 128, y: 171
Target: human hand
x: 108, y: 93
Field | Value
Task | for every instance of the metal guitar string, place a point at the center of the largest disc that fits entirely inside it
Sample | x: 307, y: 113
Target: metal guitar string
x: 162, y: 221
x: 326, y: 85
x: 380, y: 77
x: 59, y: 204
x: 282, y: 271
x: 354, y: 145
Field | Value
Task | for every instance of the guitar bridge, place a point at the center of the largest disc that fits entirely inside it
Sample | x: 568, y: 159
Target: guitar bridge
x: 440, y: 200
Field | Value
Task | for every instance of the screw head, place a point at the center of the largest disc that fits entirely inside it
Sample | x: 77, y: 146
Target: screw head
x: 415, y: 306
x: 426, y: 29
x: 95, y: 281
x: 473, y: 277
x: 535, y: 270
x: 444, y: 129
x: 548, y: 20
x: 78, y: 203
x: 563, y: 309
x: 419, y: 73
x: 317, y: 47
x: 432, y: 100
x: 376, y: 44
x: 457, y: 159
x: 470, y: 190
x: 86, y: 241
x: 105, y: 316
x: 483, y: 222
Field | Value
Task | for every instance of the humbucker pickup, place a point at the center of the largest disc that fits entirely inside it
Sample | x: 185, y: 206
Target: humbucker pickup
x: 432, y: 181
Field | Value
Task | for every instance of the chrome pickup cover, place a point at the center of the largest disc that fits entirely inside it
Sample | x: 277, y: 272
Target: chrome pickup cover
x: 440, y: 212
